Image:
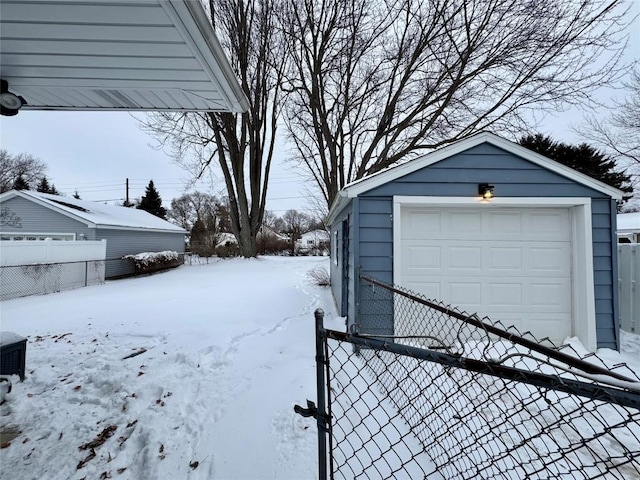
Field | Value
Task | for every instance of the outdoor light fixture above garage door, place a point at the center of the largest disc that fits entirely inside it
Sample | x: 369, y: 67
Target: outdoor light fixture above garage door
x: 485, y: 190
x: 10, y: 103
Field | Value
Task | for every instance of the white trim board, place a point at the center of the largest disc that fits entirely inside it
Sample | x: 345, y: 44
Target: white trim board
x: 583, y: 300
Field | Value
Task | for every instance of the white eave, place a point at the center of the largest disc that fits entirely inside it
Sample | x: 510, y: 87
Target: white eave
x: 363, y: 185
x: 115, y: 55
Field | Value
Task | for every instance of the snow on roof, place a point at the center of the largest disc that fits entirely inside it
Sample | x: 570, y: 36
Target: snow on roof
x: 628, y: 222
x: 317, y: 234
x: 97, y: 214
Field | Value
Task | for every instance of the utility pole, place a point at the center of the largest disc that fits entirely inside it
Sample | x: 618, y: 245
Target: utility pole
x: 126, y: 202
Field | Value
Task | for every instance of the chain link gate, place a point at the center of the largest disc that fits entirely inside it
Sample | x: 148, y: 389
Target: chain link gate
x: 447, y: 395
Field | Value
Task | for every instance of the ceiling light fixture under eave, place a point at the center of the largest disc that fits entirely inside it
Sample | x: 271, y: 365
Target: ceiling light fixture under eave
x: 10, y: 103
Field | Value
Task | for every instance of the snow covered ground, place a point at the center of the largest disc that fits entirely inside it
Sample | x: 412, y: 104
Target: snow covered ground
x: 228, y: 349
x: 188, y: 374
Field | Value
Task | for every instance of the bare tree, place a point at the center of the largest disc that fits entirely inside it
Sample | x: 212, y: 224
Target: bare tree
x: 619, y: 134
x: 9, y: 218
x: 24, y: 165
x: 241, y: 145
x: 186, y: 209
x: 373, y: 83
x: 295, y: 224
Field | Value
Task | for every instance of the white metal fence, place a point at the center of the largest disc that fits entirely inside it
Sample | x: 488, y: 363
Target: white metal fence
x: 629, y: 286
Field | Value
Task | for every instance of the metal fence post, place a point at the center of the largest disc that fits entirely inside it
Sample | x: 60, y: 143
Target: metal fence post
x: 321, y: 361
x: 318, y: 412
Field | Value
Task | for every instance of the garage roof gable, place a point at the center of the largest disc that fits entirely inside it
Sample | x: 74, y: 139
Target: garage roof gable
x: 358, y: 187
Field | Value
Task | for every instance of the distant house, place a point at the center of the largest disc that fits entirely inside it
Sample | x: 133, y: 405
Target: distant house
x: 128, y: 231
x: 628, y: 230
x: 312, y: 240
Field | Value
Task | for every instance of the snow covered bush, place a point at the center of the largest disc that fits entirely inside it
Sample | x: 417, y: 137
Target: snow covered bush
x: 148, y: 262
x: 320, y: 276
x: 227, y: 250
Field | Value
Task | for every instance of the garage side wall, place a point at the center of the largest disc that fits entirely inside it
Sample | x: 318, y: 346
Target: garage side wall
x: 338, y: 260
x: 35, y: 218
x: 130, y: 242
x: 459, y: 176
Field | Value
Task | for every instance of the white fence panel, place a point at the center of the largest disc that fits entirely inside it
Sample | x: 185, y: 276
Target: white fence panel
x: 27, y: 252
x: 629, y: 287
x: 39, y: 267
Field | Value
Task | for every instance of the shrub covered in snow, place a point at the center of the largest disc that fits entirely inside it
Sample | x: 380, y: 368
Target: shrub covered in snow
x: 319, y: 276
x: 147, y: 262
x: 227, y: 250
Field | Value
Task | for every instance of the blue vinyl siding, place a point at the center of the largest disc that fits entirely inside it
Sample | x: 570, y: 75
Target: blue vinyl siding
x: 512, y: 176
x: 35, y: 218
x: 131, y: 242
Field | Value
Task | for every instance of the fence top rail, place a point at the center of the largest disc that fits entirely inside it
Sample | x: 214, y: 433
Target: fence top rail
x: 621, y: 396
x: 475, y: 321
x: 59, y: 263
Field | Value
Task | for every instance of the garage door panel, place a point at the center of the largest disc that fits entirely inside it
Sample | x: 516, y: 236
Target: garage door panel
x: 551, y: 258
x: 423, y: 257
x: 512, y: 265
x: 551, y: 225
x: 505, y: 223
x: 550, y: 295
x: 421, y: 224
x: 505, y: 258
x: 486, y: 258
x: 430, y: 290
x: 557, y: 328
x: 505, y: 294
x: 462, y: 224
x: 464, y: 293
x: 464, y: 257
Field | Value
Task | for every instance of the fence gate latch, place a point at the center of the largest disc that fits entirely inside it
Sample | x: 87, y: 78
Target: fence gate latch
x: 310, y: 411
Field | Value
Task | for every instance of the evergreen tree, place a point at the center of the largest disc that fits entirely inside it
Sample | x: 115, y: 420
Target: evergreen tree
x: 583, y: 158
x: 20, y: 184
x: 44, y: 186
x: 151, y: 202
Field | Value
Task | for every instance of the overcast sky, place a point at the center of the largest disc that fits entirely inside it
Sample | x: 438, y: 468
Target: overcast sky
x: 94, y: 152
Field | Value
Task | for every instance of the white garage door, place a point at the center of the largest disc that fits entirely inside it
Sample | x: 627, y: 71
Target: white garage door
x: 510, y: 264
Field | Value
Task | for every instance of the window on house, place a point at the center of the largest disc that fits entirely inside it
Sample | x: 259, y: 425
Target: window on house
x: 335, y: 247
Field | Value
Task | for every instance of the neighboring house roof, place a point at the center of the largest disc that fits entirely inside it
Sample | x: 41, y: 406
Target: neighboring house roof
x: 628, y: 222
x: 95, y: 214
x: 363, y: 185
x: 226, y: 238
x: 270, y: 232
x: 317, y: 234
x: 116, y: 55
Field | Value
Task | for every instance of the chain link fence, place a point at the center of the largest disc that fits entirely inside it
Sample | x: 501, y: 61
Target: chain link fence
x: 43, y: 278
x: 444, y: 394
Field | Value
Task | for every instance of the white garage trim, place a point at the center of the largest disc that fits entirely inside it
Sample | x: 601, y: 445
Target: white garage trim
x: 583, y: 317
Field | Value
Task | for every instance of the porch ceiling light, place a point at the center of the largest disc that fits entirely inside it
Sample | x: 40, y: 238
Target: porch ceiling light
x: 485, y: 190
x: 10, y: 103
